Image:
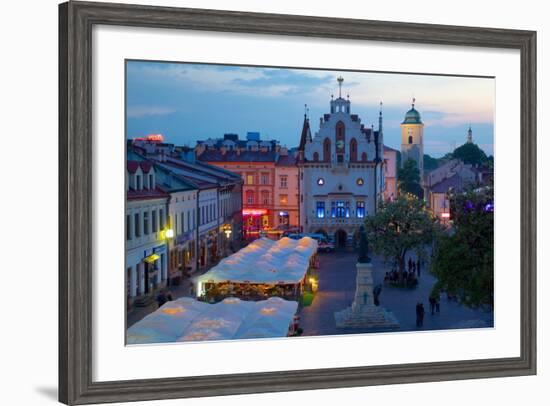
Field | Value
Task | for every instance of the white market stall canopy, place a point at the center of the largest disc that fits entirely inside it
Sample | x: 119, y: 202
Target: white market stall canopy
x: 187, y: 319
x: 265, y: 261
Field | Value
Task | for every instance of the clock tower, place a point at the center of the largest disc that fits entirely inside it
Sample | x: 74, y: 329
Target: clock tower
x: 412, y: 139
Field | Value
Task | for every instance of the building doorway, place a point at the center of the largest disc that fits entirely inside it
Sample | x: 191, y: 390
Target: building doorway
x: 340, y: 238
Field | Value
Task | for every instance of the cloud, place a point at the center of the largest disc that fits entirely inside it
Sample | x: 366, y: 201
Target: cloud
x: 147, y: 111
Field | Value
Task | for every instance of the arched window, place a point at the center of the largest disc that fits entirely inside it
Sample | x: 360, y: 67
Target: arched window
x: 315, y: 156
x: 364, y: 157
x: 326, y: 150
x: 353, y: 150
x: 340, y: 141
x: 410, y: 139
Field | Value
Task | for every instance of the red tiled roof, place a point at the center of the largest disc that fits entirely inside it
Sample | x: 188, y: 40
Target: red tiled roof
x: 133, y: 165
x: 145, y: 194
x: 233, y: 156
x: 286, y: 160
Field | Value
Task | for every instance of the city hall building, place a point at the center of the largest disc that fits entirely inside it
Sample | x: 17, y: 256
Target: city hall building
x: 341, y: 172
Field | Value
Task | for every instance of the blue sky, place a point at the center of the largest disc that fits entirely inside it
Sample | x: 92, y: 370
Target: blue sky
x: 190, y: 102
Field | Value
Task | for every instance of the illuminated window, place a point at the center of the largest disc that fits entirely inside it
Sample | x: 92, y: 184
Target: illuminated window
x: 320, y: 181
x: 283, y: 199
x: 339, y: 209
x: 360, y: 209
x: 360, y: 181
x: 249, y: 179
x: 320, y: 210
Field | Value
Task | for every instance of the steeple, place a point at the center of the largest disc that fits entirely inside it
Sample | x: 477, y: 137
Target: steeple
x: 470, y: 139
x: 340, y: 105
x: 380, y: 119
x: 340, y: 80
x: 305, y: 137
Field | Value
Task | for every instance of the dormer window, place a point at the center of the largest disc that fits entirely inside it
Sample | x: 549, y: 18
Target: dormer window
x: 151, y: 181
x: 138, y: 182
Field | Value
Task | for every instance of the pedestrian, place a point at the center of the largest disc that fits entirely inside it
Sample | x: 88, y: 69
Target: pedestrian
x: 191, y: 288
x: 161, y: 298
x: 169, y: 297
x: 418, y: 312
x: 437, y: 304
x: 418, y: 267
x: 432, y: 304
x: 421, y: 315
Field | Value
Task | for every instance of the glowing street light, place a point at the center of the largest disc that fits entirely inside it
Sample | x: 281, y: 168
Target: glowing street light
x: 169, y: 233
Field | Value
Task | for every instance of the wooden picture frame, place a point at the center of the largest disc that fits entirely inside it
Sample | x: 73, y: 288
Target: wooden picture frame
x: 76, y: 20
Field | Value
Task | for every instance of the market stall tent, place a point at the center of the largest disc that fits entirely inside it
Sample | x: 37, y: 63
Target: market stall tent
x: 187, y: 319
x: 265, y: 261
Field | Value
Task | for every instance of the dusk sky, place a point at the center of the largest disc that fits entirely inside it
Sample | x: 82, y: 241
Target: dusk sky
x: 190, y: 102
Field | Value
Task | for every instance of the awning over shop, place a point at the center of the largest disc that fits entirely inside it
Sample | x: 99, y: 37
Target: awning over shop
x: 265, y: 261
x: 186, y: 319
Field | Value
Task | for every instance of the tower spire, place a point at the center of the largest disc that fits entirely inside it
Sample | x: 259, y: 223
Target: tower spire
x: 470, y: 138
x: 340, y: 80
x: 413, y: 101
x: 380, y: 119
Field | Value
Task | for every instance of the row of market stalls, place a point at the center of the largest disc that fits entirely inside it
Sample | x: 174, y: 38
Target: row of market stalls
x: 253, y: 293
x: 263, y: 269
x: 187, y: 319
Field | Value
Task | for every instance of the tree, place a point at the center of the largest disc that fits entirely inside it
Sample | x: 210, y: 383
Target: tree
x: 470, y: 154
x: 400, y: 226
x: 409, y: 179
x: 463, y: 259
x: 430, y: 163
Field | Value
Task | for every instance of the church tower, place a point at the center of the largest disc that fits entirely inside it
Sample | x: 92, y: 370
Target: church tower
x: 412, y: 139
x: 470, y: 138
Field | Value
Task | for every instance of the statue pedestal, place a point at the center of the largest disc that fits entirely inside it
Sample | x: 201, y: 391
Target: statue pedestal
x: 363, y: 313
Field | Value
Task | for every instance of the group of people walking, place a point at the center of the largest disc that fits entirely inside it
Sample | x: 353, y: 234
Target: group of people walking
x: 414, y: 267
x: 420, y: 311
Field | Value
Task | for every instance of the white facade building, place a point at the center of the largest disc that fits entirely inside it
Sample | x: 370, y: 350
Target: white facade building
x: 146, y: 223
x: 341, y: 176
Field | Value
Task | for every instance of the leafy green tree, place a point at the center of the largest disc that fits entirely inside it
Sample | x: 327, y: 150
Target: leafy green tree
x: 408, y: 178
x: 463, y: 258
x: 400, y: 226
x: 430, y: 163
x: 470, y: 154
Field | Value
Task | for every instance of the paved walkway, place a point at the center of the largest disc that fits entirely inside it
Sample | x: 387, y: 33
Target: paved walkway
x: 337, y: 289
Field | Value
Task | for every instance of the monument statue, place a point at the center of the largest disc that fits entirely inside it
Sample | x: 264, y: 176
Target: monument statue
x: 365, y: 312
x: 363, y: 246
